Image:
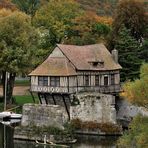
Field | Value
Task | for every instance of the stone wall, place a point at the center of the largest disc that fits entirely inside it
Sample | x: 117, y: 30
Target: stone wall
x: 44, y: 115
x: 127, y: 111
x: 94, y: 107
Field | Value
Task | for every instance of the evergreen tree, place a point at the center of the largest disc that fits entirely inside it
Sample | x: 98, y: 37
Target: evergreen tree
x: 129, y: 56
x: 144, y: 51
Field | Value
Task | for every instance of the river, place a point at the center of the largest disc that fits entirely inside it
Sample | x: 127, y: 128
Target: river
x: 6, y: 141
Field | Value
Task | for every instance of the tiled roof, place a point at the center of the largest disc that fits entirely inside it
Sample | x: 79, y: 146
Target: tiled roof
x: 82, y: 56
x: 53, y: 66
x: 76, y: 57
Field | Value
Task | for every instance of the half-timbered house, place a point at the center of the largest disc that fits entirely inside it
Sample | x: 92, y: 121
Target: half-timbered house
x: 70, y: 69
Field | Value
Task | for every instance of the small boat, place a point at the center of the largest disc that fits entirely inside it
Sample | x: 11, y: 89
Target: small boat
x: 10, y: 115
x: 11, y: 121
x: 51, y: 144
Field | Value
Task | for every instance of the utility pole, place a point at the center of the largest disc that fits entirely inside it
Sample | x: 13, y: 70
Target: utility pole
x: 5, y: 95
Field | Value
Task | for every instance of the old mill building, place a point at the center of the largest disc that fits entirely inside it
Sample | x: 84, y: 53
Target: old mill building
x: 71, y: 69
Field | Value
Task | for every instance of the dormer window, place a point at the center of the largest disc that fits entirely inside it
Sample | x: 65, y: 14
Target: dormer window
x: 97, y: 63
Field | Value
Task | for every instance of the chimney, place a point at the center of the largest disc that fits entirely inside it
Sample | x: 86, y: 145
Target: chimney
x: 115, y: 55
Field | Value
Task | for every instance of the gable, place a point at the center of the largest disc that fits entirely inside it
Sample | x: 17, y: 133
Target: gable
x: 56, y: 53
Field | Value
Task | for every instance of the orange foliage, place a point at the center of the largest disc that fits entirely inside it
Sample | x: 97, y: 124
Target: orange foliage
x: 5, y: 12
x: 91, y: 125
x: 91, y: 17
x: 7, y: 5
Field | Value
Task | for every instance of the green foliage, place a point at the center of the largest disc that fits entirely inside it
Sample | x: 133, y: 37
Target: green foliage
x: 136, y: 92
x: 144, y: 51
x: 18, y: 40
x: 131, y: 14
x: 27, y: 6
x: 54, y: 19
x: 129, y: 55
x: 101, y: 7
x: 137, y: 136
x: 88, y: 29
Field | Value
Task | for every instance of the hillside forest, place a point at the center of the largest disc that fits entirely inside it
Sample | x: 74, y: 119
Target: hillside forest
x: 30, y: 29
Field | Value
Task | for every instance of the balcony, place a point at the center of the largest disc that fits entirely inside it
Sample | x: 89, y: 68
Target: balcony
x: 109, y: 89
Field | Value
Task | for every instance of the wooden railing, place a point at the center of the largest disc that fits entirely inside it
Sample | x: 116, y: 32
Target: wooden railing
x: 73, y: 89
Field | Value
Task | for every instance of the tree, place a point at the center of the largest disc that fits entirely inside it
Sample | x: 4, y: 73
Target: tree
x: 136, y: 92
x: 129, y: 54
x: 54, y: 19
x: 7, y: 5
x: 137, y: 136
x: 131, y: 14
x: 18, y: 40
x: 27, y: 6
x: 144, y: 51
x: 88, y: 29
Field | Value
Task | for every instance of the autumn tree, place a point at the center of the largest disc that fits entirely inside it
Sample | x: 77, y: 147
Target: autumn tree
x: 131, y: 14
x: 18, y: 40
x: 88, y: 28
x: 137, y: 135
x: 131, y: 22
x: 136, y: 91
x: 54, y: 19
x: 7, y: 4
x: 100, y: 7
x: 27, y: 6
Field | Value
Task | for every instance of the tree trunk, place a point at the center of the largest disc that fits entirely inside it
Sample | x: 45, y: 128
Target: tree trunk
x: 10, y: 86
x: 3, y: 83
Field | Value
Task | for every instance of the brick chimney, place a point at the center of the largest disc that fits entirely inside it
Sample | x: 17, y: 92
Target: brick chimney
x: 115, y: 55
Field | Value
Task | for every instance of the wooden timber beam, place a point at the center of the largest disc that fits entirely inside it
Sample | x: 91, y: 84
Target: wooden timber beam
x: 39, y: 97
x: 45, y: 98
x: 66, y: 107
x: 32, y: 96
x: 53, y: 99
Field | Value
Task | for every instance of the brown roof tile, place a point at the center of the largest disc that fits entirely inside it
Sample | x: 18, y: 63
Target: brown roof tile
x: 82, y: 56
x: 53, y: 66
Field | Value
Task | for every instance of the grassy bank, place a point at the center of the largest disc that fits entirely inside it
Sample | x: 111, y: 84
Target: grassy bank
x: 22, y: 83
x: 20, y: 101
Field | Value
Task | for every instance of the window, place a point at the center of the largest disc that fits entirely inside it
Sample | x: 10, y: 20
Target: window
x: 86, y: 80
x: 97, y: 80
x: 42, y: 81
x: 106, y: 80
x: 112, y: 79
x: 55, y: 81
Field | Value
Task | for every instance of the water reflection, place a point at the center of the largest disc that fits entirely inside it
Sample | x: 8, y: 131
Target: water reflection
x: 6, y: 141
x: 6, y: 138
x: 96, y: 142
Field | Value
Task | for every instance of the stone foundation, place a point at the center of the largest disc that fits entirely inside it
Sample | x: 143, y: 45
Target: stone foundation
x: 44, y: 115
x: 95, y: 107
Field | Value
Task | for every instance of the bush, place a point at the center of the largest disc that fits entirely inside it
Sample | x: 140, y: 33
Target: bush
x: 108, y: 128
x: 137, y: 136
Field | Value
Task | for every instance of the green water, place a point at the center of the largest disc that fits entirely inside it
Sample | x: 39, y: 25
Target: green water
x: 6, y: 141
